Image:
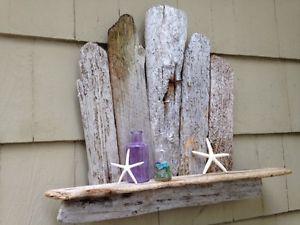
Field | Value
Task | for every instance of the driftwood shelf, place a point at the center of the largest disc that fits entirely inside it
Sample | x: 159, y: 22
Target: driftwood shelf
x: 178, y: 97
x: 109, y: 201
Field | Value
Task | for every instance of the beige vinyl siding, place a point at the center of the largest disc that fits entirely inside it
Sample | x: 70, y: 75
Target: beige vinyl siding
x: 235, y: 26
x: 38, y: 90
x: 41, y: 137
x: 40, y: 83
x: 291, y: 218
x: 41, y: 18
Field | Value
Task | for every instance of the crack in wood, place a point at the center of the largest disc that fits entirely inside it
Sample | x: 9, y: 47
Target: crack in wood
x: 165, y: 36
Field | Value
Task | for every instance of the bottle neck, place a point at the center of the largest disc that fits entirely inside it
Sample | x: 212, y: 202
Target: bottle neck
x: 136, y: 136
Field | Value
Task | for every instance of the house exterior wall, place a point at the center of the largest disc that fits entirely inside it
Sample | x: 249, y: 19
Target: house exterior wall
x: 41, y: 138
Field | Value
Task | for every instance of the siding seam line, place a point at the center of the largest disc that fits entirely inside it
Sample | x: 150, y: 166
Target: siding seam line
x: 284, y: 165
x: 277, y: 28
x: 74, y: 19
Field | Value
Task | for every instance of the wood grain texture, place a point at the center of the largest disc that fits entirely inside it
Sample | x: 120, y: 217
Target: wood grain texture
x: 221, y: 110
x: 94, y: 92
x: 195, y: 104
x: 165, y: 37
x: 128, y: 81
x: 96, y: 191
x: 139, y: 203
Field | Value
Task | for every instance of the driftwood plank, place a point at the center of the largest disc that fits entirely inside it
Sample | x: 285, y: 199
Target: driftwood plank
x: 151, y: 201
x: 95, y: 100
x: 165, y: 37
x: 195, y: 104
x: 221, y: 110
x: 128, y: 80
x: 104, y: 190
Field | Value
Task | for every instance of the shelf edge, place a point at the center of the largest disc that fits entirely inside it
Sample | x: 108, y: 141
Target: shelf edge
x: 103, y: 190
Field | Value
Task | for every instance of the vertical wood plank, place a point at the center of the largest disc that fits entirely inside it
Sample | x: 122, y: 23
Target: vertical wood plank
x: 94, y: 92
x: 165, y: 37
x: 221, y: 110
x: 127, y: 71
x: 195, y: 104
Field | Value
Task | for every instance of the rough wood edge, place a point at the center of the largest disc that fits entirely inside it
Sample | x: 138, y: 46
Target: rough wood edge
x: 138, y: 203
x: 95, y: 191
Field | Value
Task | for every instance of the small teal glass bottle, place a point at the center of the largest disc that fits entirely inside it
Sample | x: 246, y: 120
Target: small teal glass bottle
x: 139, y: 152
x: 162, y: 168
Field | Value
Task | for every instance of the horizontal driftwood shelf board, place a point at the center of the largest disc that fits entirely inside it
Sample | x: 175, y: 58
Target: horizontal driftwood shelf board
x: 103, y: 190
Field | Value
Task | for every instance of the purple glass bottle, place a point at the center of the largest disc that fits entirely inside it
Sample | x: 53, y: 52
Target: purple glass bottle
x: 138, y: 153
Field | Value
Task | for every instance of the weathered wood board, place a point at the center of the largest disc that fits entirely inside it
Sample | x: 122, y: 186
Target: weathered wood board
x: 165, y: 37
x: 195, y: 104
x: 138, y: 203
x: 128, y: 81
x: 189, y: 96
x: 94, y: 92
x: 221, y: 110
x: 106, y: 190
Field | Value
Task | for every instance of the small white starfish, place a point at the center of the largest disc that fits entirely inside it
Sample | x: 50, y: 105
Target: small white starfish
x: 211, y: 157
x: 127, y: 167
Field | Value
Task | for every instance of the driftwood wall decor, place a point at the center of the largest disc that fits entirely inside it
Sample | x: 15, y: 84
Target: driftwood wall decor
x: 178, y: 97
x: 108, y: 201
x: 195, y: 104
x: 139, y: 203
x: 165, y: 37
x: 169, y: 92
x: 127, y: 74
x: 94, y: 92
x: 221, y: 109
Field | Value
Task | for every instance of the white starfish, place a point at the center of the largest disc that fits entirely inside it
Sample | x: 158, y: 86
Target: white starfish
x: 127, y: 167
x: 211, y: 157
